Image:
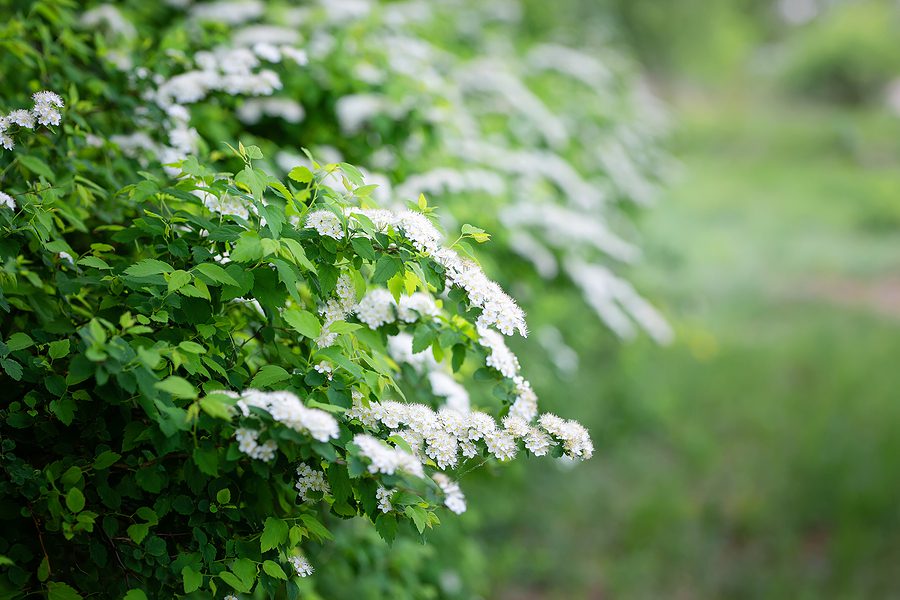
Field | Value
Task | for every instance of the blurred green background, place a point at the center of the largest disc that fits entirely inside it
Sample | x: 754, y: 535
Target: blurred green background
x: 758, y: 455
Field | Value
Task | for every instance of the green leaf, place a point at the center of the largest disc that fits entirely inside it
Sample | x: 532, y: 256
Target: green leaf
x: 148, y: 267
x: 274, y: 534
x: 177, y: 387
x: 273, y: 569
x: 363, y: 247
x: 106, y: 459
x: 43, y: 570
x: 302, y: 321
x: 216, y: 274
x: 138, y: 531
x: 36, y: 166
x: 268, y: 375
x: 418, y: 515
x: 135, y: 594
x: 61, y: 591
x: 223, y: 496
x: 93, y: 261
x: 476, y: 233
x: 301, y: 175
x: 386, y: 526
x: 19, y: 341
x: 216, y: 406
x: 422, y: 338
x: 315, y: 527
x: 232, y: 580
x: 178, y: 279
x: 192, y: 347
x: 191, y: 579
x: 207, y: 460
x: 245, y: 569
x: 12, y: 368
x: 386, y: 267
x: 248, y: 248
x: 59, y: 348
x: 75, y: 500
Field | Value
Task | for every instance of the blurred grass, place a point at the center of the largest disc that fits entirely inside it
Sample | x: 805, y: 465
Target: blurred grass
x: 758, y: 456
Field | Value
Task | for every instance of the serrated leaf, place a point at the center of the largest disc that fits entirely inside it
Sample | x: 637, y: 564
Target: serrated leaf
x: 138, y: 531
x: 19, y: 341
x: 191, y: 579
x: 178, y: 279
x: 223, y: 496
x: 36, y: 166
x: 386, y: 526
x: 59, y: 348
x: 216, y: 273
x: 275, y: 533
x: 273, y: 569
x: 418, y: 515
x: 363, y: 247
x: 301, y: 175
x: 62, y: 591
x: 386, y: 267
x: 303, y: 322
x: 177, y: 387
x: 233, y: 580
x: 148, y: 267
x: 247, y: 249
x: 106, y: 459
x: 93, y: 261
x: 268, y: 375
x: 135, y: 595
x: 315, y: 527
x: 216, y: 406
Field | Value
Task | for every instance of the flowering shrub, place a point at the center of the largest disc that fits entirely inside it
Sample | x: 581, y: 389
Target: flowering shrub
x: 220, y: 359
x: 208, y: 382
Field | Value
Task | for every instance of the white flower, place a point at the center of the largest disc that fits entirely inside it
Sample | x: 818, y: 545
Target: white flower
x: 376, y: 308
x: 326, y: 223
x: 412, y: 308
x: 325, y: 369
x: 443, y: 384
x: 22, y: 118
x: 286, y: 408
x: 576, y: 439
x: 501, y: 357
x: 387, y: 460
x: 47, y: 98
x: 453, y: 496
x: 6, y: 141
x: 301, y: 566
x: 310, y: 480
x: 7, y: 201
x: 230, y: 597
x: 501, y: 444
x: 248, y: 444
x: 383, y: 495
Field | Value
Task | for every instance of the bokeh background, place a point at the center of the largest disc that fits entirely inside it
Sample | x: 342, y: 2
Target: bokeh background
x: 756, y: 456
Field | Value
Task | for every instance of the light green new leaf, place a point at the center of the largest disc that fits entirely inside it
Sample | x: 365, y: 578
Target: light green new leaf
x: 302, y: 321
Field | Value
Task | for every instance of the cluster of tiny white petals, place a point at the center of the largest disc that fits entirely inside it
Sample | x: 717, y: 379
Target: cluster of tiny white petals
x: 453, y: 496
x: 383, y: 459
x: 248, y: 443
x: 301, y: 566
x: 498, y: 308
x: 575, y: 438
x: 230, y: 597
x: 286, y: 408
x: 400, y: 347
x: 444, y: 385
x: 378, y: 308
x: 7, y: 201
x: 310, y: 480
x: 325, y: 223
x: 325, y: 369
x: 501, y: 357
x: 383, y: 495
x: 336, y: 309
x: 45, y: 112
x: 526, y: 404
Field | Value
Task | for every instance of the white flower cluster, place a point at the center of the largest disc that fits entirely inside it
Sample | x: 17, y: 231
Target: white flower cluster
x: 7, y: 201
x: 444, y: 385
x: 230, y: 597
x: 336, y: 309
x: 446, y: 434
x: 576, y: 439
x: 248, y: 443
x: 378, y: 308
x: 326, y: 223
x: 453, y: 496
x: 387, y: 460
x: 286, y: 408
x: 301, y: 566
x: 498, y: 309
x: 310, y: 480
x: 383, y: 495
x: 45, y: 112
